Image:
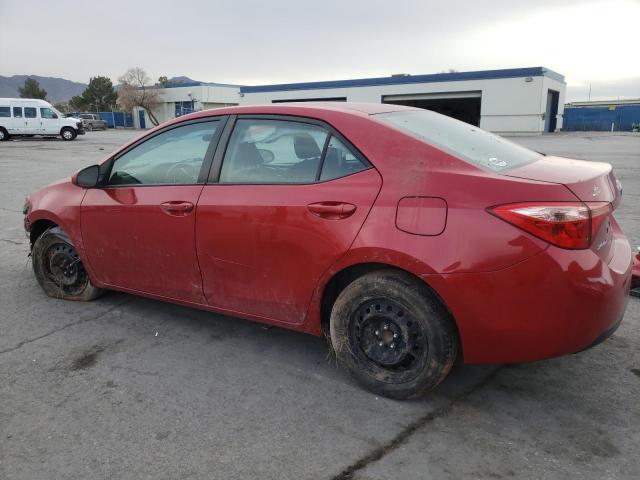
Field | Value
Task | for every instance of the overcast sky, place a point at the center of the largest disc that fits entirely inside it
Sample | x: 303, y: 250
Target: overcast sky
x: 278, y: 41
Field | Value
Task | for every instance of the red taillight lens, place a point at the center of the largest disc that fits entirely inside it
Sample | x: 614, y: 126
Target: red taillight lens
x: 568, y: 224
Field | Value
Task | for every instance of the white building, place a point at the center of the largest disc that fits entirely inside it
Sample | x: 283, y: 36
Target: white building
x: 183, y: 98
x: 518, y: 100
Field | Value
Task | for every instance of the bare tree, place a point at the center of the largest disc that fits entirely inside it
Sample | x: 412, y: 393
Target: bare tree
x: 137, y: 90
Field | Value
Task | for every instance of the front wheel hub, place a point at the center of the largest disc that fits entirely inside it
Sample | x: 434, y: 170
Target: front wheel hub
x: 64, y: 266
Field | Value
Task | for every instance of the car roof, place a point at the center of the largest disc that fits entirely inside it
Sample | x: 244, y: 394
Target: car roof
x: 6, y: 100
x: 303, y: 108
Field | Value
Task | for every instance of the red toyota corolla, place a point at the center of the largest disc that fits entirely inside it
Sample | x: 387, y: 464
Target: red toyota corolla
x: 408, y: 237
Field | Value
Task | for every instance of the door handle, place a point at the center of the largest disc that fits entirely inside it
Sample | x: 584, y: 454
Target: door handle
x: 332, y: 210
x: 177, y: 208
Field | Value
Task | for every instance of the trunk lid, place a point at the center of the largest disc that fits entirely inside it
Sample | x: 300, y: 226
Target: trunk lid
x: 591, y: 182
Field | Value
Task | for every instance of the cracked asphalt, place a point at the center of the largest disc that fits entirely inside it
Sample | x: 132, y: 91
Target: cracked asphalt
x: 131, y: 388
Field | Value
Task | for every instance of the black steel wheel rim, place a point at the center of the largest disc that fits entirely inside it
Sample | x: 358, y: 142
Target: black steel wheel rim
x: 388, y: 339
x: 63, y: 267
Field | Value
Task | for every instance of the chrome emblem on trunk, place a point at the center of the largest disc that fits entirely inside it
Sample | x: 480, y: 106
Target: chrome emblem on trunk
x: 596, y: 191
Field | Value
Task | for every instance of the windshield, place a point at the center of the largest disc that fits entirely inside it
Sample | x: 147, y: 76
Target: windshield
x: 460, y: 139
x: 57, y: 112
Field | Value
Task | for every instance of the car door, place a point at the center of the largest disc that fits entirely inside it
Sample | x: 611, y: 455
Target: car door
x: 49, y: 121
x: 17, y: 119
x: 138, y: 229
x: 31, y: 120
x: 287, y: 200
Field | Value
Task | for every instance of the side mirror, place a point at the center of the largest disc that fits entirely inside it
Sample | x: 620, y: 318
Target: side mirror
x: 87, y: 177
x: 54, y: 116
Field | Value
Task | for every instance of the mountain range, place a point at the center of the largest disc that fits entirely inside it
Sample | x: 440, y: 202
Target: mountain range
x: 58, y: 89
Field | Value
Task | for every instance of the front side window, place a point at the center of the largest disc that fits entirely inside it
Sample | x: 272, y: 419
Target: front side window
x: 172, y: 157
x: 5, y: 111
x: 17, y: 112
x: 460, y: 139
x: 273, y: 151
x: 30, y: 112
x: 47, y: 113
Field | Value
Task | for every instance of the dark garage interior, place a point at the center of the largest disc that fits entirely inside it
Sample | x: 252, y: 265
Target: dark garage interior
x: 466, y: 109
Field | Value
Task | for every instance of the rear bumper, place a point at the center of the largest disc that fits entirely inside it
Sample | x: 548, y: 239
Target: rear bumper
x: 555, y: 303
x: 604, y: 335
x: 635, y: 276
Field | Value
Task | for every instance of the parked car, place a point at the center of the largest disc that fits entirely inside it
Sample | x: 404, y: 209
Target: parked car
x: 410, y: 239
x: 92, y: 121
x: 28, y: 117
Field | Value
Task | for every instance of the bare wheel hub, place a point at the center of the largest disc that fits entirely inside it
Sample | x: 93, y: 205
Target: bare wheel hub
x: 64, y: 266
x: 388, y: 335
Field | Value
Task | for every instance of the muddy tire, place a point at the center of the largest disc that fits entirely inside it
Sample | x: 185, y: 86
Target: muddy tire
x: 393, y: 335
x: 59, y: 270
x: 68, y: 134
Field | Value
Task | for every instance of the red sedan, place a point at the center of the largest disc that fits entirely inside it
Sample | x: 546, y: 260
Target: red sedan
x: 408, y: 237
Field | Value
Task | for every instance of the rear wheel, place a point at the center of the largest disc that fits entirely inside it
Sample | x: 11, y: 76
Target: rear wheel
x: 392, y: 335
x: 68, y: 133
x: 59, y: 270
x: 4, y: 135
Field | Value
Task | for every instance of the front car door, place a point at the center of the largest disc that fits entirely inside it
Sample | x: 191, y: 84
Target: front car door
x: 287, y: 200
x: 49, y: 121
x: 138, y: 229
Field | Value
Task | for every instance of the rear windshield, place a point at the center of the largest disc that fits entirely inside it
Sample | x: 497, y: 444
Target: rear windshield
x: 460, y: 139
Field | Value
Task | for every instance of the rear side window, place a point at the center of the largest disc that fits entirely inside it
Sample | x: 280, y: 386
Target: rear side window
x: 273, y: 151
x: 30, y: 112
x: 339, y: 161
x: 282, y: 151
x: 5, y: 111
x: 461, y: 140
x: 17, y: 112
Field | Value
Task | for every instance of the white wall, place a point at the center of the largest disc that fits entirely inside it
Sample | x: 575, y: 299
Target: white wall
x: 204, y: 96
x: 509, y: 105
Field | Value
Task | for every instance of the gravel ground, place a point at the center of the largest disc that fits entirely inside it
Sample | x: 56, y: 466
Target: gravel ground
x: 131, y: 388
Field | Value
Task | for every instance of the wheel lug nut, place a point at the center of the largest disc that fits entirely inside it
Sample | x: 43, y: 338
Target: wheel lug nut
x: 395, y: 335
x: 393, y: 345
x: 377, y: 332
x: 380, y: 344
x: 386, y: 327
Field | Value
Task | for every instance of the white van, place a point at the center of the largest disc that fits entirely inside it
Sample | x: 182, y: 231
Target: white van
x: 29, y: 117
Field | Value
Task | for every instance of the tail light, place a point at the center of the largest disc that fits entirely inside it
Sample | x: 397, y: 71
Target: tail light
x: 569, y: 225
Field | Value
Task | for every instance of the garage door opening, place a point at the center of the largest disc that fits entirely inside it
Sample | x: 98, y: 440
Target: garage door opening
x: 464, y: 106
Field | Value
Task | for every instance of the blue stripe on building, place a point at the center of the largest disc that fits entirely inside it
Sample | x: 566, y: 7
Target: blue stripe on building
x: 409, y: 79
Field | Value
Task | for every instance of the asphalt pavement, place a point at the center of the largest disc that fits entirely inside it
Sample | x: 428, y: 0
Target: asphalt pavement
x: 131, y: 388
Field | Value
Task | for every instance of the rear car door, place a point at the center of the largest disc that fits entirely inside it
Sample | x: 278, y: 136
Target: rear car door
x: 286, y: 199
x: 138, y: 230
x: 31, y: 120
x: 17, y: 119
